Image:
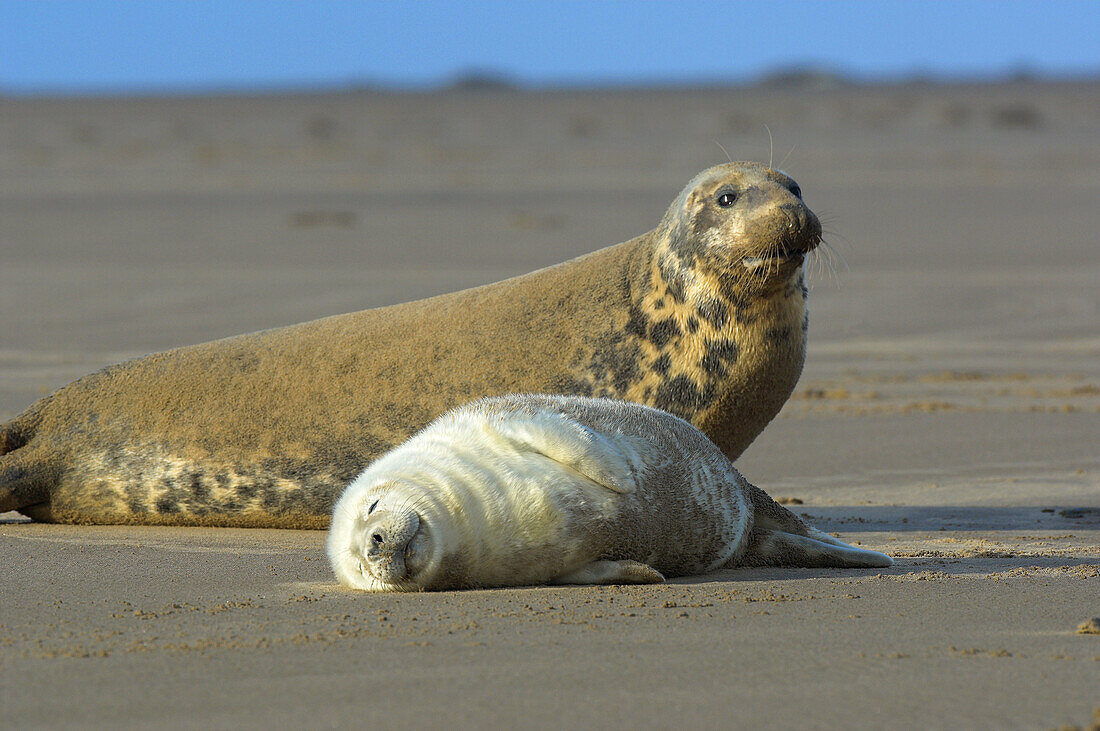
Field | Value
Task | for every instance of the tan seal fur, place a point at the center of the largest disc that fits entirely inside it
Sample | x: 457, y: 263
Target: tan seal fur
x: 704, y: 317
x: 530, y: 489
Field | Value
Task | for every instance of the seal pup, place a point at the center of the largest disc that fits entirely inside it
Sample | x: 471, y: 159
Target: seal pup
x: 703, y: 317
x: 531, y: 489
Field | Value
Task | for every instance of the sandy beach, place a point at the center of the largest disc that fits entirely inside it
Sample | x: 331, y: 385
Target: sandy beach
x: 948, y: 414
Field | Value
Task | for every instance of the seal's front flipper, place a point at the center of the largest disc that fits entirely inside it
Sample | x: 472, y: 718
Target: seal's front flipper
x: 571, y: 443
x: 612, y: 572
x: 776, y: 548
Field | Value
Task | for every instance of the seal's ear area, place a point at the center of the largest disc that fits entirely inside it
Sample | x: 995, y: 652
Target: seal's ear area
x: 572, y: 444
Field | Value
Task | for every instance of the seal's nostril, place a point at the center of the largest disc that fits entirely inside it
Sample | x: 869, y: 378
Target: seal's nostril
x: 376, y: 538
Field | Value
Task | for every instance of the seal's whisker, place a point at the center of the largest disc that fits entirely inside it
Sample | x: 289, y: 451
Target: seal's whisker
x: 836, y: 260
x: 835, y: 255
x: 819, y: 268
x: 793, y: 148
x: 721, y: 147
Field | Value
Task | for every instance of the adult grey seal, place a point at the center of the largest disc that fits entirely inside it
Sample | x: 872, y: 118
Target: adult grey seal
x: 530, y: 489
x: 704, y: 317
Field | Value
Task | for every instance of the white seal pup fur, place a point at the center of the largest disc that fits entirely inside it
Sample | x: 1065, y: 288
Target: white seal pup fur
x: 532, y: 489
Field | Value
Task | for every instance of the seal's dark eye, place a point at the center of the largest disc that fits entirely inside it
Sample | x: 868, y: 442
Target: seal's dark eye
x: 726, y: 199
x: 373, y: 506
x: 796, y: 190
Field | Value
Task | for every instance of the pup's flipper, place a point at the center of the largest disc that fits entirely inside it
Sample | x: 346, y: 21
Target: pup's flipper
x: 612, y: 572
x: 574, y: 445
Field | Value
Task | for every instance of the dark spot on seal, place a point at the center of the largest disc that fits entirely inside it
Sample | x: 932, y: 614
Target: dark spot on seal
x: 613, y: 365
x: 692, y: 325
x: 680, y: 396
x: 294, y: 501
x: 269, y: 496
x: 199, y: 491
x: 570, y: 385
x: 740, y: 300
x: 661, y: 364
x: 744, y: 315
x: 705, y: 219
x: 246, y: 490
x: 687, y: 246
x: 719, y: 354
x: 663, y: 331
x: 730, y: 288
x: 135, y: 496
x: 675, y: 281
x: 166, y: 505
x: 636, y: 322
x: 806, y: 323
x: 779, y: 334
x: 659, y: 304
x: 714, y: 312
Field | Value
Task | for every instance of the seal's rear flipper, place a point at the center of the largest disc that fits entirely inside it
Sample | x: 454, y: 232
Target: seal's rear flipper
x: 781, y: 538
x: 22, y: 483
x: 612, y: 572
x: 775, y: 548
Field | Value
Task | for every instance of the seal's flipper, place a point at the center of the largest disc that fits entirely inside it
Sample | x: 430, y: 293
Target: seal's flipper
x: 24, y: 481
x: 781, y: 538
x: 767, y: 513
x: 612, y: 572
x: 775, y: 548
x: 571, y: 443
x: 16, y: 433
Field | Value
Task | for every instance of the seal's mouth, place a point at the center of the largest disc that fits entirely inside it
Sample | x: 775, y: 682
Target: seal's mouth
x: 783, y: 256
x: 787, y: 250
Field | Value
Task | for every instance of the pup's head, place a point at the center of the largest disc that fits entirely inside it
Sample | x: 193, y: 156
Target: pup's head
x: 379, y: 542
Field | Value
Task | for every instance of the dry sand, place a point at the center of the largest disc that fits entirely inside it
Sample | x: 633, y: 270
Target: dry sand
x: 949, y: 413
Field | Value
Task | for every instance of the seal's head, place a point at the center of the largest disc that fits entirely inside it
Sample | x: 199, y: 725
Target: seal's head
x: 379, y: 542
x: 742, y: 222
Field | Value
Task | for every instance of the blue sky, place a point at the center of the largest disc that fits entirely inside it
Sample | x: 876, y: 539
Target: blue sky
x: 161, y: 46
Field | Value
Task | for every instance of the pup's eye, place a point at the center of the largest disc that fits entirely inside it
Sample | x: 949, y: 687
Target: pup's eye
x: 726, y: 199
x: 796, y: 190
x: 373, y: 506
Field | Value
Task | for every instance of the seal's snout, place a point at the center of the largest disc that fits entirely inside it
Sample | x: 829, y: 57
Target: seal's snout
x: 803, y: 232
x: 388, y: 536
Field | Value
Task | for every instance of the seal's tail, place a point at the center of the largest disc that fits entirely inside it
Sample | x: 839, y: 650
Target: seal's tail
x: 781, y: 538
x: 24, y: 479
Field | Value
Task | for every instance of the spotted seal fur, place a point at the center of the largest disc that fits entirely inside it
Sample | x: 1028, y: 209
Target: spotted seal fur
x: 531, y: 489
x: 703, y: 317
